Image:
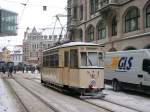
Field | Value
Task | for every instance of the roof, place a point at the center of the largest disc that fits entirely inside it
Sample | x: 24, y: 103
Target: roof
x: 71, y: 44
x: 8, y: 11
x: 130, y: 51
x: 78, y: 44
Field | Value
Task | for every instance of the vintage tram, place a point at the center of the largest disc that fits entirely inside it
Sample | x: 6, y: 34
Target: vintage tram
x: 74, y: 65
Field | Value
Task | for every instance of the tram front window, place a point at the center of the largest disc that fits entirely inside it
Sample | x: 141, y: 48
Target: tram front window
x: 89, y: 59
x: 92, y: 59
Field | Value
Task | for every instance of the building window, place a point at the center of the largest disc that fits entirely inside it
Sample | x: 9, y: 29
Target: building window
x: 104, y: 2
x: 148, y: 16
x: 50, y: 37
x: 94, y: 6
x: 101, y: 30
x: 55, y: 37
x: 81, y: 12
x: 45, y: 36
x: 75, y: 12
x: 131, y: 20
x: 90, y: 33
x: 80, y: 34
x: 114, y: 26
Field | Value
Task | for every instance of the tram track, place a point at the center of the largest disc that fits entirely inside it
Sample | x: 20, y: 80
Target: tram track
x: 130, y: 108
x: 107, y: 110
x: 38, y: 97
x: 115, y: 104
x: 106, y: 101
x: 16, y: 95
x: 121, y: 105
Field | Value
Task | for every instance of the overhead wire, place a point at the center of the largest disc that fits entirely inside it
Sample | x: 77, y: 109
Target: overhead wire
x: 25, y: 4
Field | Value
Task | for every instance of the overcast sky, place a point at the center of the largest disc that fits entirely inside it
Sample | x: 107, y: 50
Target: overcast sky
x: 32, y: 15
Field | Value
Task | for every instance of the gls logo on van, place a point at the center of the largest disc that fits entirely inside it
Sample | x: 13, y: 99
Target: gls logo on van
x: 123, y: 63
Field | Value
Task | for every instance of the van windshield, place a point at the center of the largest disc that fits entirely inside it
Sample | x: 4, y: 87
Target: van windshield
x: 90, y: 58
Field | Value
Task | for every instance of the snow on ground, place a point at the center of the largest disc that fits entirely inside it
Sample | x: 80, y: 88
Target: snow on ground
x: 36, y: 75
x: 139, y: 102
x: 8, y: 102
x: 131, y: 100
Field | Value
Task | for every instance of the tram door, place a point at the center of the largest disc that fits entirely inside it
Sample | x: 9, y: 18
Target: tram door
x: 66, y: 70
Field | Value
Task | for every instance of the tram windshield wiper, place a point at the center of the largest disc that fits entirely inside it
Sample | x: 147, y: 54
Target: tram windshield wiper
x: 90, y: 61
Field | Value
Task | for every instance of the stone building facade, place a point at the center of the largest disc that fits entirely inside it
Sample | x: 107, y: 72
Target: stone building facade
x: 115, y: 24
x: 16, y: 54
x: 35, y: 41
x: 5, y: 56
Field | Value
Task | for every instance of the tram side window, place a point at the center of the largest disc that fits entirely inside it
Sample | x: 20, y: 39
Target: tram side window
x: 66, y: 59
x: 51, y: 61
x: 54, y: 62
x: 83, y: 59
x: 44, y: 61
x: 74, y: 58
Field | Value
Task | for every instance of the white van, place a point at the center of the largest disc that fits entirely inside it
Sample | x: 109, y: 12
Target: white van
x: 128, y: 69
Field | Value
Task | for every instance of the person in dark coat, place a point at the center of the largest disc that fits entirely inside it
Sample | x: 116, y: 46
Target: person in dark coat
x: 32, y: 69
x: 3, y: 69
x: 10, y: 70
x: 15, y: 69
x: 22, y: 69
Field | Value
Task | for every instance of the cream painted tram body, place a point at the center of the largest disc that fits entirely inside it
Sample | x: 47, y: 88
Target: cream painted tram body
x: 76, y: 65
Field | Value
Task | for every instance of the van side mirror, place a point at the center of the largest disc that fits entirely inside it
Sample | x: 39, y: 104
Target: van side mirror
x: 146, y: 65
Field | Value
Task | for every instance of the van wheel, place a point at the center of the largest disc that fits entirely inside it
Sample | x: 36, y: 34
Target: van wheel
x: 116, y: 86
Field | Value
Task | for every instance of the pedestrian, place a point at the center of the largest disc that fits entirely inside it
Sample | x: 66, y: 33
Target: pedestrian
x: 15, y: 69
x: 23, y: 69
x: 3, y: 69
x: 33, y: 69
x: 38, y: 68
x: 10, y: 70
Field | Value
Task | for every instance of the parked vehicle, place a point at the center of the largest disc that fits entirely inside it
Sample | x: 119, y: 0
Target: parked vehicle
x: 128, y: 70
x: 77, y: 66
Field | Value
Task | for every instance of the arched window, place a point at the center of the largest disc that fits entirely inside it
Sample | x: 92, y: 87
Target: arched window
x: 131, y: 20
x: 90, y: 33
x: 114, y: 26
x: 148, y: 16
x: 101, y: 30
